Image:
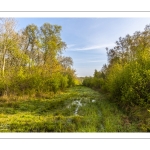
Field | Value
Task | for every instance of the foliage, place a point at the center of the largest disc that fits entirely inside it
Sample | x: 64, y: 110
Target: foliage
x: 31, y: 60
x: 128, y: 72
x: 127, y: 76
x: 95, y: 82
x: 56, y: 113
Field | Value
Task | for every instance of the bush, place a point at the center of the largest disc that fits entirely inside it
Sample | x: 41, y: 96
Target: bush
x: 2, y: 87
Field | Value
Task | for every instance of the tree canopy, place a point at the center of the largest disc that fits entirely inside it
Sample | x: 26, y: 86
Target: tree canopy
x: 31, y: 59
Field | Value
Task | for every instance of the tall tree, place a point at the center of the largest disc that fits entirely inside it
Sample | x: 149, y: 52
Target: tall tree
x: 52, y: 44
x: 9, y: 40
x: 32, y: 44
x: 66, y: 62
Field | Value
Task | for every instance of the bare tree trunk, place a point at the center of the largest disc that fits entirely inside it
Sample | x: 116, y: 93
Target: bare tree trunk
x: 3, y: 67
x: 3, y: 63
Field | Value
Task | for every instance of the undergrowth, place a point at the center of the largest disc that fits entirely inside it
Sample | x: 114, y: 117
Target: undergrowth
x: 57, y: 113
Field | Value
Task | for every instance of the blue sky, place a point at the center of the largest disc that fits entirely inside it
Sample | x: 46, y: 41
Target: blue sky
x: 87, y: 38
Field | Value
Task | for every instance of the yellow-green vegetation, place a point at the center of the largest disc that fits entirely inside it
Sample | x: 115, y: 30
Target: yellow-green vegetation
x: 31, y: 60
x: 37, y: 92
x: 78, y: 109
x: 126, y: 78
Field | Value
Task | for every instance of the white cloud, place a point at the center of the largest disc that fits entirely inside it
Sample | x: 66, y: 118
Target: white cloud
x: 94, y: 61
x: 70, y: 46
x: 92, y: 47
x: 90, y: 61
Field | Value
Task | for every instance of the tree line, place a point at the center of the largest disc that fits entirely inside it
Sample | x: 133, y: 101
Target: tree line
x: 31, y: 59
x: 126, y: 78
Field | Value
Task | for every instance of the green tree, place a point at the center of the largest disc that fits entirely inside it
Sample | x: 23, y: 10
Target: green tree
x: 9, y: 40
x: 31, y: 44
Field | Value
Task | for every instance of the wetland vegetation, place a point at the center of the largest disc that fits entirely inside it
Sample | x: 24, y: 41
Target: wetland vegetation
x: 40, y: 91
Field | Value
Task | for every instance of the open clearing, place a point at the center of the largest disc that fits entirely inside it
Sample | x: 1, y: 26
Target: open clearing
x: 78, y: 109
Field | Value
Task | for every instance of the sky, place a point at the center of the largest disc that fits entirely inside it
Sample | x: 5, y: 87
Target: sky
x: 87, y: 38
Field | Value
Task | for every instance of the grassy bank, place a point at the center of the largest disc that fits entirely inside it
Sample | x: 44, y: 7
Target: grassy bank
x: 78, y: 109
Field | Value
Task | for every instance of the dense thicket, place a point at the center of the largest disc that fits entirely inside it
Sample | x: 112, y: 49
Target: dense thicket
x: 31, y: 59
x: 126, y: 77
x: 96, y: 82
x: 128, y: 72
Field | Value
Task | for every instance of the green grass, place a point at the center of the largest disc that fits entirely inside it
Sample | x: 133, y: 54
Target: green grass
x: 57, y: 113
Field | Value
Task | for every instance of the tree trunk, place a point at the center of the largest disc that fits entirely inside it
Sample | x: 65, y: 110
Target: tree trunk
x: 3, y: 63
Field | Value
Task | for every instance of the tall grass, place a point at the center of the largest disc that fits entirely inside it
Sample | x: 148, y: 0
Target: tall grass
x: 57, y: 113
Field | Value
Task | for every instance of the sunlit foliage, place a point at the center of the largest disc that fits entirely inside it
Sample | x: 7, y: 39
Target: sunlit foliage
x: 30, y: 59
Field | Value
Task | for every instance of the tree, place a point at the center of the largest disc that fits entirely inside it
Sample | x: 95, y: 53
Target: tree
x: 66, y: 62
x: 52, y: 44
x: 31, y: 44
x: 9, y: 40
x: 31, y: 61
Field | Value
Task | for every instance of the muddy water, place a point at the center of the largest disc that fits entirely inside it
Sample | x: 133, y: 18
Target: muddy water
x: 78, y: 104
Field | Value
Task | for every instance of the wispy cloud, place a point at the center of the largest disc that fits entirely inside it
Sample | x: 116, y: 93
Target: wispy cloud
x: 70, y: 46
x: 90, y: 61
x: 95, y: 61
x: 91, y: 47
